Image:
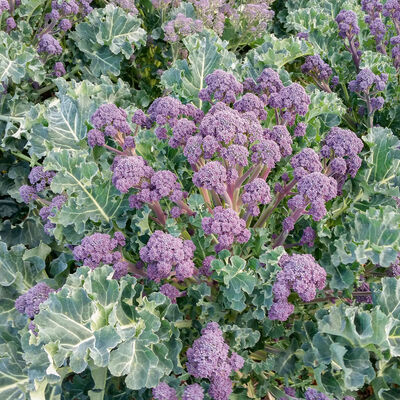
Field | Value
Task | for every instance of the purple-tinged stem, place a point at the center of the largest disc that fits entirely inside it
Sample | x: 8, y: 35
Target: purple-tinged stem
x: 120, y: 153
x: 269, y: 210
x: 156, y: 207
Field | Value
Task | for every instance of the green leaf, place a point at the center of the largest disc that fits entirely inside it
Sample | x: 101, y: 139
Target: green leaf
x: 109, y: 34
x: 15, y: 58
x: 13, y: 377
x: 355, y: 364
x: 91, y: 195
x: 383, y: 162
x: 274, y: 53
x: 206, y: 54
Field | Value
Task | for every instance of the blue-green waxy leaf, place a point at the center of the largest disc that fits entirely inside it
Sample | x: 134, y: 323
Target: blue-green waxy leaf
x: 206, y: 54
x: 13, y: 374
x: 89, y: 196
x: 109, y: 35
x: 355, y: 364
x: 383, y: 162
x: 15, y: 60
x: 274, y: 53
x: 237, y: 278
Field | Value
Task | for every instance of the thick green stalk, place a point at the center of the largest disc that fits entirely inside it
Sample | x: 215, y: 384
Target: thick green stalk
x: 99, y: 375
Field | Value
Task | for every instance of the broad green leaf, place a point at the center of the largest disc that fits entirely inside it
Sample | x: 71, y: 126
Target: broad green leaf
x: 383, y: 162
x: 91, y: 194
x: 355, y: 364
x: 328, y: 107
x: 109, y: 34
x: 15, y: 58
x: 389, y: 297
x: 13, y: 376
x: 371, y: 235
x: 274, y: 53
x: 206, y: 54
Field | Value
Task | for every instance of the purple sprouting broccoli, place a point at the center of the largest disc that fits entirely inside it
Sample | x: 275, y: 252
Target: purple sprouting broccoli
x: 363, y: 287
x: 303, y: 35
x: 395, y: 41
x: 165, y: 110
x: 349, y: 29
x: 11, y: 24
x: 59, y: 69
x: 182, y: 131
x: 40, y: 179
x: 29, y: 302
x: 111, y: 120
x: 373, y: 9
x: 266, y: 152
x: 292, y: 100
x: 316, y: 188
x: 394, y: 269
x: 251, y: 102
x: 305, y: 162
x: 49, y: 45
x: 4, y: 6
x: 367, y: 85
x: 281, y: 136
x: 27, y: 193
x: 181, y: 27
x: 171, y: 292
x: 301, y: 273
x: 205, y: 268
x: 209, y: 358
x: 224, y: 124
x: 255, y: 193
x: 300, y: 129
x: 268, y: 83
x: 221, y: 86
x: 100, y: 248
x: 127, y: 5
x: 139, y: 118
x: 256, y: 16
x: 313, y: 394
x: 193, y: 392
x: 130, y: 172
x: 319, y: 70
x: 290, y: 391
x: 197, y: 147
x: 391, y: 9
x: 308, y: 237
x: 164, y: 392
x: 235, y: 155
x: 212, y: 176
x: 341, y: 147
x: 227, y: 225
x: 65, y: 24
x: 366, y: 79
x: 164, y: 252
x: 50, y: 211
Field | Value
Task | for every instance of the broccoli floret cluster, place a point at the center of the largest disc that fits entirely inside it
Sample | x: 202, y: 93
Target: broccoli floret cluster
x: 100, y: 248
x: 301, y: 273
x: 163, y: 252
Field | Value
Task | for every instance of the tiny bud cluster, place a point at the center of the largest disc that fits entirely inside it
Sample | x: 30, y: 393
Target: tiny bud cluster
x: 301, y: 273
x: 228, y: 226
x: 99, y: 248
x: 164, y: 252
x: 209, y: 358
x: 29, y: 302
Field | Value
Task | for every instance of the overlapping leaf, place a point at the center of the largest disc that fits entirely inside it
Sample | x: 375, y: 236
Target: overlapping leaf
x: 91, y: 194
x: 108, y: 36
x: 206, y: 54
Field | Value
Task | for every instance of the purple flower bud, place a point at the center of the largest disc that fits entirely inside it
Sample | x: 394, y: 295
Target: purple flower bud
x: 59, y: 70
x: 48, y: 44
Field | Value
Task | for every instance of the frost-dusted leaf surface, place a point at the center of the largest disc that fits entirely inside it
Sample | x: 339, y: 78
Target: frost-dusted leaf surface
x: 206, y: 54
x: 89, y: 196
